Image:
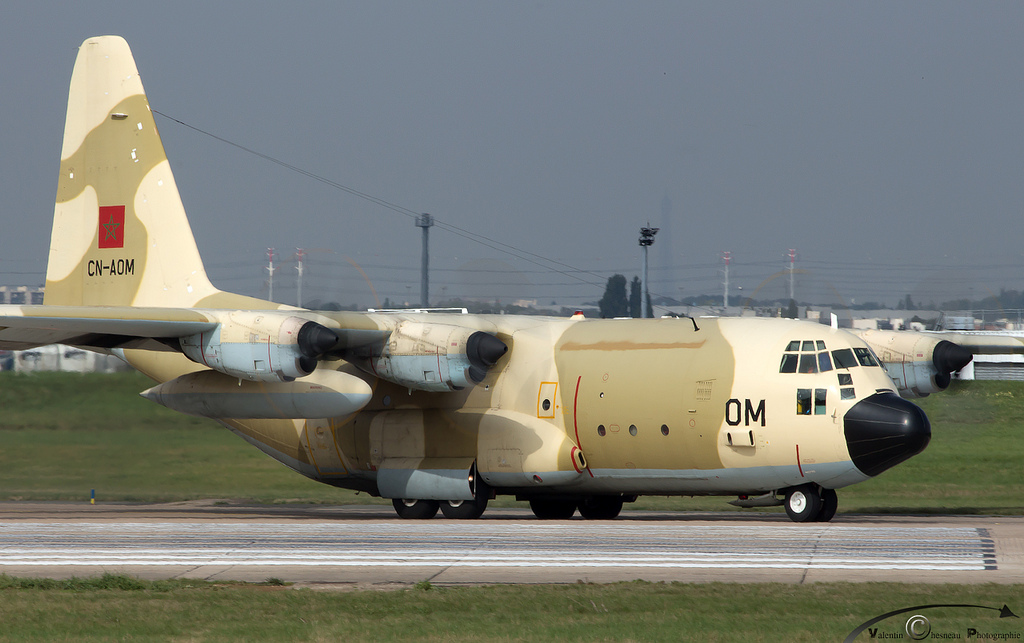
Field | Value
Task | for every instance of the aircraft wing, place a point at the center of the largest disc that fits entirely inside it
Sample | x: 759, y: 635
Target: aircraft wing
x: 985, y: 342
x: 207, y: 336
x: 24, y: 327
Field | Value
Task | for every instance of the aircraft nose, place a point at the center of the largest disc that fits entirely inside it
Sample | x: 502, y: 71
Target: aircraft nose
x: 884, y: 430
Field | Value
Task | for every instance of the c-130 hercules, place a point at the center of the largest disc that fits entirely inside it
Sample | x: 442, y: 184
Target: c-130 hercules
x: 444, y: 410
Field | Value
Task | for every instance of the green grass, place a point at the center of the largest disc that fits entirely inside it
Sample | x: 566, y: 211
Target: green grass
x: 119, y: 608
x: 971, y: 466
x: 62, y: 435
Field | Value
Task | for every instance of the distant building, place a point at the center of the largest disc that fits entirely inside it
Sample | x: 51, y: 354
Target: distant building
x: 21, y: 295
x: 58, y: 357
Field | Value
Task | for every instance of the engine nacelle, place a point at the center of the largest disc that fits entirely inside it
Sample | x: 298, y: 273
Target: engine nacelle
x: 435, y: 357
x: 261, y: 346
x: 918, y: 363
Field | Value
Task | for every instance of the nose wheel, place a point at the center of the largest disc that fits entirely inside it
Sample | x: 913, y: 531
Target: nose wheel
x: 811, y: 503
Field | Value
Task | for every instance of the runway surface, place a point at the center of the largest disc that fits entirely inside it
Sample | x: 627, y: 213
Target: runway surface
x: 368, y: 545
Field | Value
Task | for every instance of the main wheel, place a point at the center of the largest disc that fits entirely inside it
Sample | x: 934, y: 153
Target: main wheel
x: 600, y: 507
x: 415, y: 509
x: 803, y: 503
x: 464, y: 509
x: 829, y: 504
x: 547, y: 509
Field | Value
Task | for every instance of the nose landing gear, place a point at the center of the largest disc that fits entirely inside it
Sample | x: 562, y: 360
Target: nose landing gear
x: 811, y: 503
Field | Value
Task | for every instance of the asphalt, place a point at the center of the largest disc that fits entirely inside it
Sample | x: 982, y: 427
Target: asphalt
x: 368, y: 546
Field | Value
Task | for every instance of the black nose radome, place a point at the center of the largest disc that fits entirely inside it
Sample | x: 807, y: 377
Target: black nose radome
x: 884, y: 430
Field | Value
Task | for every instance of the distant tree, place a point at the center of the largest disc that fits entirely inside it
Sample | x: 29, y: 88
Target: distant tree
x: 908, y: 303
x: 614, y: 302
x: 634, y: 298
x: 792, y: 312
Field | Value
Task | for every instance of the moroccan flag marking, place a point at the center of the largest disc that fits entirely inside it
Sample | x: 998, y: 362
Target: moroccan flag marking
x: 111, y: 230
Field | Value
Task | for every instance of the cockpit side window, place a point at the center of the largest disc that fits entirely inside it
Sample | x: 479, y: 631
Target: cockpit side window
x: 844, y: 358
x: 865, y: 357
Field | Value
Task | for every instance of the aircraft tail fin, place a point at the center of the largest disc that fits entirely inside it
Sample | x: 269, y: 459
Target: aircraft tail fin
x: 120, y: 234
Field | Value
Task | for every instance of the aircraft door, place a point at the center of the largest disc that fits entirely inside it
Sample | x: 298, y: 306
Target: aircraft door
x: 323, y: 449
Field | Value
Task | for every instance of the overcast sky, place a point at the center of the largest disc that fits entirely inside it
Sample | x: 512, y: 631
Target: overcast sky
x: 883, y: 141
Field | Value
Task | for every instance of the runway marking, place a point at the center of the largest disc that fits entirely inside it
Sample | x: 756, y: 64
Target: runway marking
x: 492, y: 544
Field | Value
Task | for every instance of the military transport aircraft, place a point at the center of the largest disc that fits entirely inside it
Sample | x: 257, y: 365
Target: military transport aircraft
x: 446, y: 410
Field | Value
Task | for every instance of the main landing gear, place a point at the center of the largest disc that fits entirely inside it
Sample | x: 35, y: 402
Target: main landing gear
x: 811, y: 503
x: 454, y: 509
x: 424, y: 509
x: 590, y: 507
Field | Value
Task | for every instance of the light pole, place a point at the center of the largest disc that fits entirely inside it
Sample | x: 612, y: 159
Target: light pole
x: 646, y: 240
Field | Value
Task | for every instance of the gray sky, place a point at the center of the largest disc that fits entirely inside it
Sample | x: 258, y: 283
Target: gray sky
x: 883, y: 141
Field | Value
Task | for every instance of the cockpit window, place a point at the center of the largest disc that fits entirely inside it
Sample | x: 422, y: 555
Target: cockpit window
x: 844, y: 358
x: 808, y: 363
x: 802, y: 356
x: 824, y: 363
x: 865, y: 357
x: 788, y: 363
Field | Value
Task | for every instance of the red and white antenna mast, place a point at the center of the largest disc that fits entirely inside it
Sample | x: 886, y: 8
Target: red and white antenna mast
x: 299, y: 254
x: 725, y: 293
x: 792, y: 272
x: 270, y: 269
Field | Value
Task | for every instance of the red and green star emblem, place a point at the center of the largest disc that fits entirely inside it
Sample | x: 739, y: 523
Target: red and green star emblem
x: 111, y: 230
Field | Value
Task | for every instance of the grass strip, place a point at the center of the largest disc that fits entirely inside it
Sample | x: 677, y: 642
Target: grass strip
x: 182, y: 610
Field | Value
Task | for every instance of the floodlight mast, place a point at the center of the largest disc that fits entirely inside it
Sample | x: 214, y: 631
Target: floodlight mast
x: 646, y: 240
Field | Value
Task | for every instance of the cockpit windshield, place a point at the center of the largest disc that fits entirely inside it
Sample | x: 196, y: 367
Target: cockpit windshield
x: 811, y: 356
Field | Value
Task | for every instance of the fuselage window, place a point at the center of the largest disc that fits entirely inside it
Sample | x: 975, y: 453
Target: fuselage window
x: 845, y: 379
x: 865, y: 357
x: 847, y: 394
x: 793, y: 346
x: 844, y: 358
x: 808, y: 346
x: 819, y: 401
x: 821, y: 345
x: 803, y: 401
x: 824, y: 363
